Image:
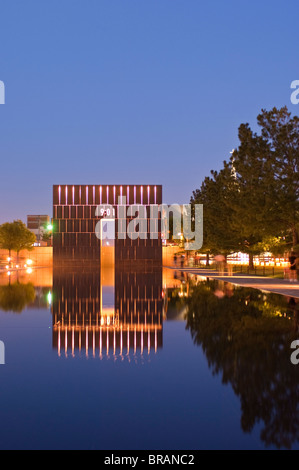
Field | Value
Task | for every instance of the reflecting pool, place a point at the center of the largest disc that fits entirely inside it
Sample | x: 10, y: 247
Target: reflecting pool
x: 154, y: 359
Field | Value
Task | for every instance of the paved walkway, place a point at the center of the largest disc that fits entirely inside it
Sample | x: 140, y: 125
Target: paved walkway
x: 268, y: 284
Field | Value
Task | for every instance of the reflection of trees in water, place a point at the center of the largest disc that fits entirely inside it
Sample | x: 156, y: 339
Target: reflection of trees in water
x: 246, y: 337
x: 15, y: 297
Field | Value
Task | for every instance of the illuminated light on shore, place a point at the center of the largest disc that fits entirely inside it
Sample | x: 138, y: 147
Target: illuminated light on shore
x: 29, y: 262
x: 29, y: 271
x: 267, y: 260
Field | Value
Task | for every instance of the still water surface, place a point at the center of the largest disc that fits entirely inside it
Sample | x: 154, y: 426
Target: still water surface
x: 118, y: 363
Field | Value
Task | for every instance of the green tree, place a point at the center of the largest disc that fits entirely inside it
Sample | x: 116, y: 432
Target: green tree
x: 281, y: 132
x: 266, y: 172
x: 252, y: 206
x: 255, y: 197
x: 15, y: 236
x: 276, y: 245
x: 7, y: 237
x: 216, y: 194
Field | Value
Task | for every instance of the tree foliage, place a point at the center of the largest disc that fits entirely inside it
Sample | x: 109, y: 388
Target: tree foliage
x: 215, y: 194
x: 255, y: 196
x: 15, y: 236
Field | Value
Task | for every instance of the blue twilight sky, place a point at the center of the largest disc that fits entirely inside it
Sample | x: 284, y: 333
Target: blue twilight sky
x: 134, y: 91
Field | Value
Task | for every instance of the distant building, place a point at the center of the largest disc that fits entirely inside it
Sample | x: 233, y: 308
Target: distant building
x: 38, y: 225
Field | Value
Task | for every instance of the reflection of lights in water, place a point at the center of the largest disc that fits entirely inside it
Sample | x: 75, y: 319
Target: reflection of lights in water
x: 120, y: 340
x: 49, y: 298
x: 219, y: 293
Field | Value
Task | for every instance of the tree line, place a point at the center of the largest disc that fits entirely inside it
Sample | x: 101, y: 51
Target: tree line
x: 251, y: 205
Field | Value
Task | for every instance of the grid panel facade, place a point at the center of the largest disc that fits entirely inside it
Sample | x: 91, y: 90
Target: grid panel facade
x: 75, y: 222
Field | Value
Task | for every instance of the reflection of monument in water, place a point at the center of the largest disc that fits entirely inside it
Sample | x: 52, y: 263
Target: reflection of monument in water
x: 107, y: 292
x: 108, y: 312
